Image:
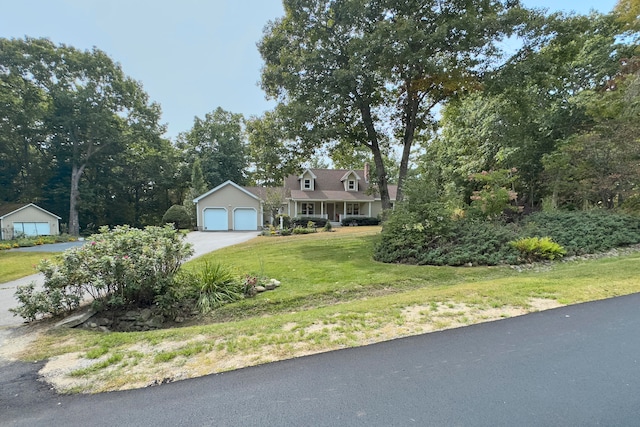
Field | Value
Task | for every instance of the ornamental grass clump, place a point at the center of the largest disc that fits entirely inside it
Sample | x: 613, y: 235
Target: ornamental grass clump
x: 538, y: 248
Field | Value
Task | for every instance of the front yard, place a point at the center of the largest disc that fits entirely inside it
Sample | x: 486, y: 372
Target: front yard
x: 333, y: 295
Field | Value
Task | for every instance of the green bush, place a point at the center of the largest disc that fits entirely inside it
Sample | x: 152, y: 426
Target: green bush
x: 360, y: 220
x: 303, y: 221
x: 124, y: 266
x: 179, y: 216
x: 303, y: 230
x: 215, y: 285
x: 538, y: 249
x: 286, y: 221
x: 582, y: 232
x: 415, y: 238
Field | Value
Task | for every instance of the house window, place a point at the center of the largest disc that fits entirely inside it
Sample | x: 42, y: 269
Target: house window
x: 307, y: 184
x: 351, y: 185
x: 353, y: 208
x: 307, y: 209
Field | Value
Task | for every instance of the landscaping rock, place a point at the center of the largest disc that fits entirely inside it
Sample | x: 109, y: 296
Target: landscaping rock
x: 270, y: 286
x: 145, y: 314
x: 76, y: 319
x: 260, y: 289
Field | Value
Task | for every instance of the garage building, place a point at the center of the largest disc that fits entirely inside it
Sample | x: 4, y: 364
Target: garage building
x: 28, y: 220
x: 229, y: 207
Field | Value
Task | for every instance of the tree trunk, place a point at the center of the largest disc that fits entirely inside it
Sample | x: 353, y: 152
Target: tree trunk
x: 74, y: 225
x: 373, y: 145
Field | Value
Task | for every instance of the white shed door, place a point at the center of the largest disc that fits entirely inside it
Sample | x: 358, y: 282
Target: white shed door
x: 31, y: 228
x: 245, y: 219
x: 215, y: 219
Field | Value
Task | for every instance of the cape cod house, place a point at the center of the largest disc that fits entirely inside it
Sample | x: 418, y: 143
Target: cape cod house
x: 333, y: 194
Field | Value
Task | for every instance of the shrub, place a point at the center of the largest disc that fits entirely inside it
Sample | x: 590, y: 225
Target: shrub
x: 216, y: 285
x: 286, y: 221
x: 303, y: 230
x: 360, y: 220
x: 116, y: 268
x: 327, y: 227
x: 584, y: 232
x: 303, y: 221
x: 177, y: 215
x: 538, y: 249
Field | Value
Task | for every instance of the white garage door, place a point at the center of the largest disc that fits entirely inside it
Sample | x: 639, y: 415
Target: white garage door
x: 245, y: 219
x: 215, y: 219
x: 31, y: 229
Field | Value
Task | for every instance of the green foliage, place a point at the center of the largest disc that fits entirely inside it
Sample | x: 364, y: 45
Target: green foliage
x: 286, y: 221
x: 360, y: 220
x: 179, y: 216
x: 406, y: 239
x: 538, y: 248
x: 116, y: 267
x: 631, y: 205
x: 303, y: 230
x: 216, y: 285
x: 494, y: 197
x: 327, y: 227
x: 303, y: 221
x: 584, y: 232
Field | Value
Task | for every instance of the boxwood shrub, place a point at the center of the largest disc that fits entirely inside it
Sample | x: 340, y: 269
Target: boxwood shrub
x: 360, y: 220
x: 303, y: 221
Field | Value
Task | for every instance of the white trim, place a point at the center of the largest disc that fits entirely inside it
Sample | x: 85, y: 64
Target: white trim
x: 313, y: 175
x: 26, y: 206
x: 224, y: 184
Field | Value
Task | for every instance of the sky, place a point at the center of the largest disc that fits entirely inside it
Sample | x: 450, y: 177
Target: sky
x: 191, y: 56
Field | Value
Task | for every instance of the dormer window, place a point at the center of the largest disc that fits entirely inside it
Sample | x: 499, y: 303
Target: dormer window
x: 350, y: 181
x: 307, y: 180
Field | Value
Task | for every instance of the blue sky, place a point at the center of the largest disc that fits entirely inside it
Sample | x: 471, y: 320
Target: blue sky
x: 191, y: 56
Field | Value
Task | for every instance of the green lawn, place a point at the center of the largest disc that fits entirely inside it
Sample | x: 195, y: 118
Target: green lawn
x: 14, y: 265
x: 333, y: 295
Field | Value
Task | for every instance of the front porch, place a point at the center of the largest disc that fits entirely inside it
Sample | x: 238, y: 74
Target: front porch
x: 334, y: 211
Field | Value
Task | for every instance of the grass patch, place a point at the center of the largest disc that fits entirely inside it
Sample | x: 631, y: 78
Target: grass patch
x: 333, y: 295
x: 14, y: 265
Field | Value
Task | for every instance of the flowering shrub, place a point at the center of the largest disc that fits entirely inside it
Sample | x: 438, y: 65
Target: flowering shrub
x: 115, y: 268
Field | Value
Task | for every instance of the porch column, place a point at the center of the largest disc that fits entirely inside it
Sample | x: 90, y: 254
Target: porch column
x: 295, y: 207
x: 369, y: 209
x: 321, y: 209
x: 344, y: 213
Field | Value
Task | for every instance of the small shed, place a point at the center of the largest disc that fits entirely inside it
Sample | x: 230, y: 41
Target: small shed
x: 229, y: 207
x: 27, y: 220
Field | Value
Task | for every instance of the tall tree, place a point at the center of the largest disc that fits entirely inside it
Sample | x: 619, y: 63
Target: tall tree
x: 219, y: 142
x: 273, y: 152
x: 346, y: 69
x: 92, y: 103
x: 530, y: 103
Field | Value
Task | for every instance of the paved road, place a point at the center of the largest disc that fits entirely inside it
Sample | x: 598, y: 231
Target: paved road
x: 573, y: 366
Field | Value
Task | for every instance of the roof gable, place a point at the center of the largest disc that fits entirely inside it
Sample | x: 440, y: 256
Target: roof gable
x: 224, y: 184
x: 6, y: 210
